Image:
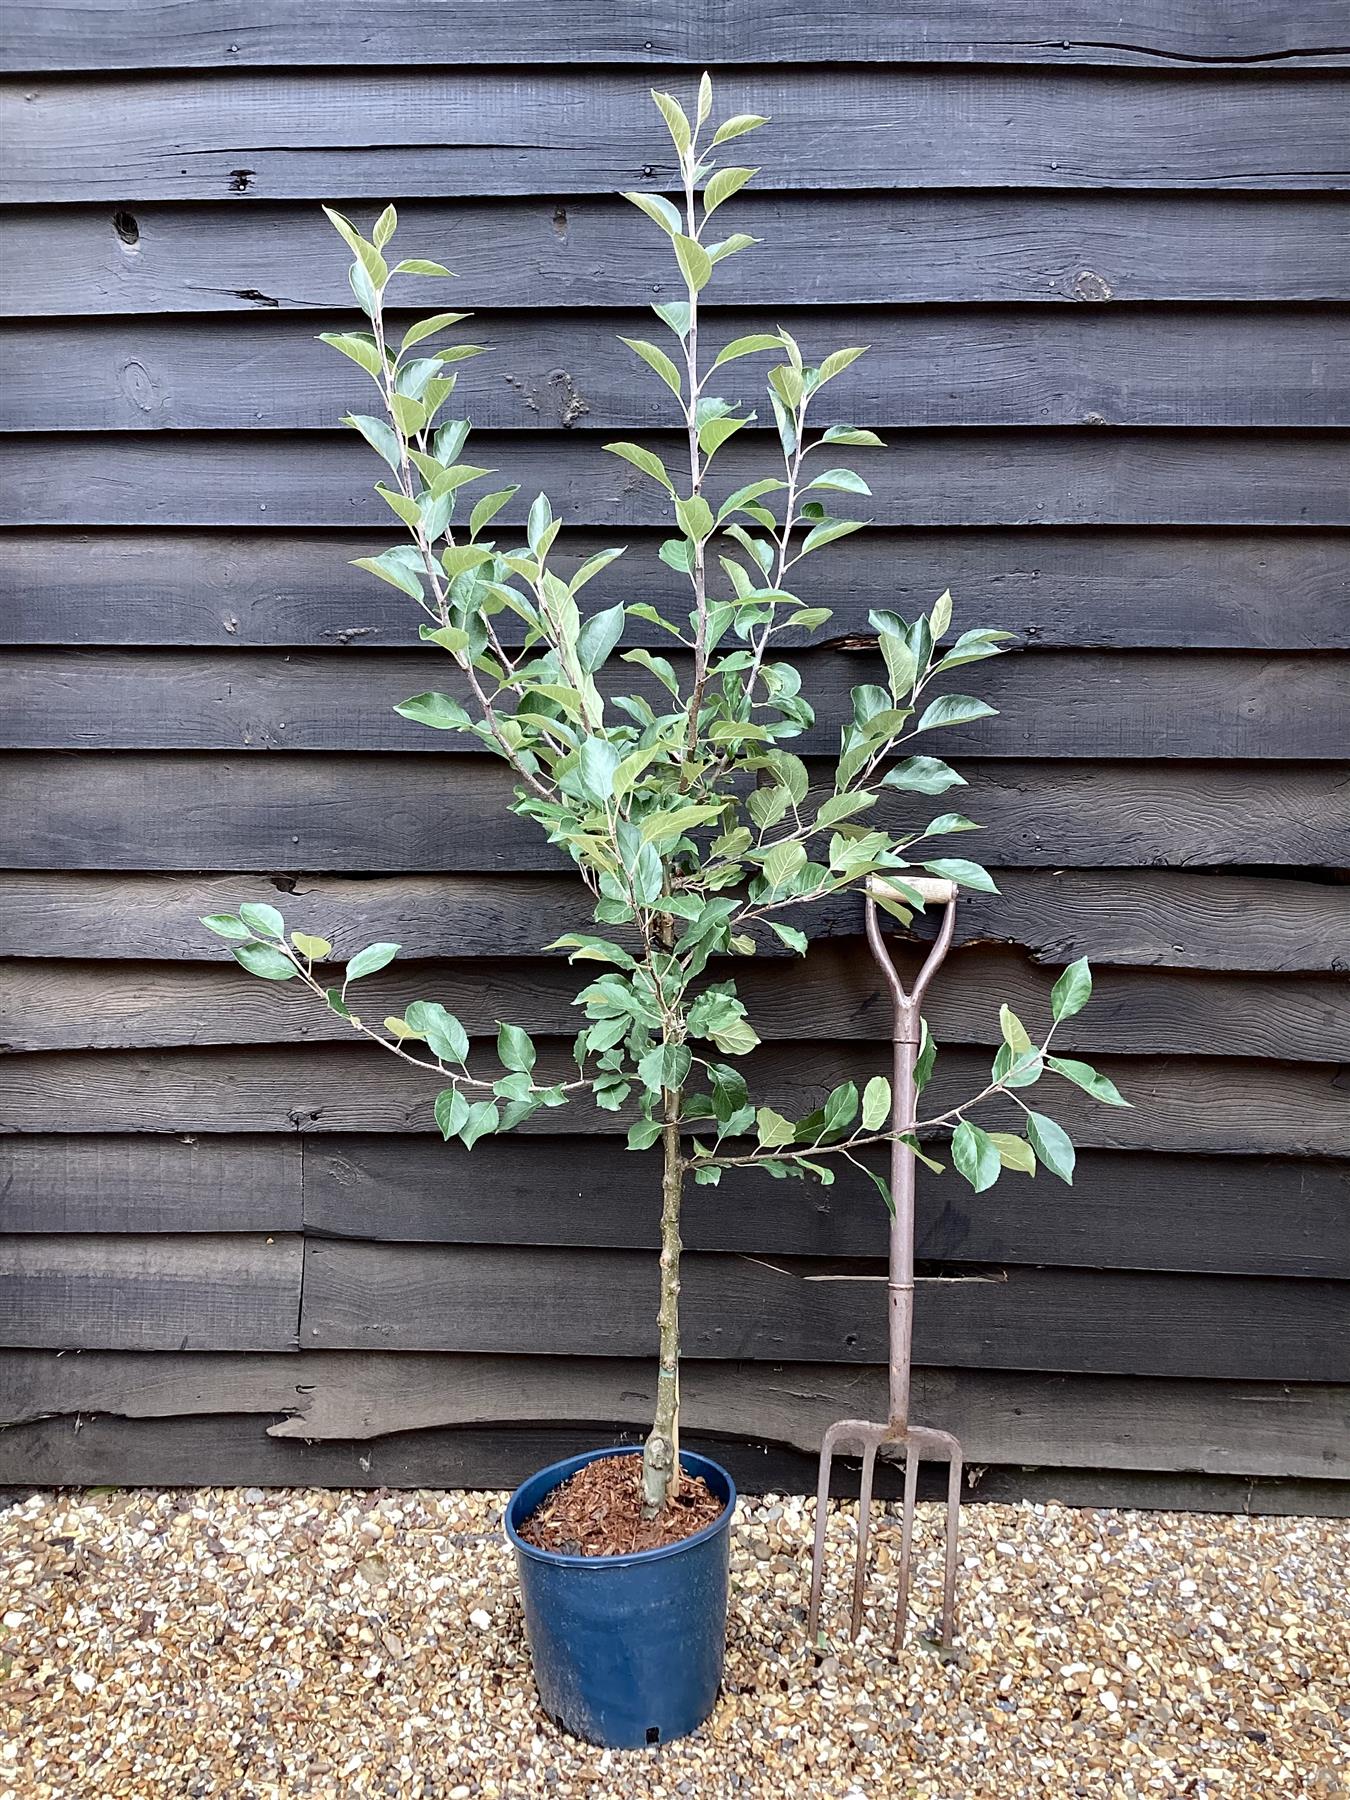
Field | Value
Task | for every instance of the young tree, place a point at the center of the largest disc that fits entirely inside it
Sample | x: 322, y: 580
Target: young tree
x: 694, y: 830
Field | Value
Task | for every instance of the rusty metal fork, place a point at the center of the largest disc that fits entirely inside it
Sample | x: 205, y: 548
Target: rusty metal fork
x: 915, y: 1441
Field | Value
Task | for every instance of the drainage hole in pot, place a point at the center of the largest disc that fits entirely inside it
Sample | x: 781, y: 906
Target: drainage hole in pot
x: 653, y: 1734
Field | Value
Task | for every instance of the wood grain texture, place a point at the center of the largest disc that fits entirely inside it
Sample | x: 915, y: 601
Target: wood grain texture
x: 1193, y: 1104
x: 941, y: 478
x: 228, y: 34
x: 150, y: 1293
x: 1134, y: 1210
x: 230, y: 1449
x: 435, y: 132
x: 1050, y: 704
x: 1165, y: 918
x: 1047, y: 248
x: 385, y: 814
x: 833, y: 996
x: 172, y: 1184
x: 942, y: 367
x: 1077, y: 589
x: 587, y: 1302
x: 1001, y: 1416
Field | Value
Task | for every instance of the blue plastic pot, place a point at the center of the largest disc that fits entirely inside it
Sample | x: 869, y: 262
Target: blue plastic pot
x: 627, y: 1649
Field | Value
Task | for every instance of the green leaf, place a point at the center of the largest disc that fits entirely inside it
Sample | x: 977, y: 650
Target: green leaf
x: 452, y: 1112
x: 882, y: 1186
x: 438, y: 710
x: 336, y: 1003
x: 596, y: 762
x: 713, y: 433
x: 661, y: 212
x: 515, y: 1049
x: 737, y: 127
x: 840, y: 1110
x: 696, y: 517
x: 747, y: 346
x: 851, y: 434
x: 368, y: 961
x: 675, y: 822
x: 445, y: 1036
x: 359, y: 346
x: 1015, y: 1034
x: 1052, y: 1146
x: 1017, y: 1068
x: 676, y: 122
x: 643, y: 460
x: 315, y: 948
x: 723, y: 185
x: 842, y: 480
x: 826, y: 533
x: 458, y: 559
x: 643, y: 1133
x: 1014, y: 1152
x: 976, y: 1156
x: 954, y: 709
x: 1083, y: 1075
x: 783, y: 862
x: 773, y: 1129
x: 421, y: 265
x: 876, y: 1106
x: 964, y: 873
x: 837, y: 361
x: 265, y: 960
x: 428, y: 327
x: 1069, y: 995
x: 695, y: 263
x: 794, y: 939
x: 263, y: 921
x: 482, y: 1120
x: 922, y: 775
x: 488, y: 507
x: 972, y: 647
x: 658, y: 361
x: 666, y: 1066
x: 225, y: 925
x: 598, y: 636
x: 393, y: 569
x: 381, y: 437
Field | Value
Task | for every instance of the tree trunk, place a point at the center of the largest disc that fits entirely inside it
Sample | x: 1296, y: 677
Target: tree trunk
x: 661, y: 1453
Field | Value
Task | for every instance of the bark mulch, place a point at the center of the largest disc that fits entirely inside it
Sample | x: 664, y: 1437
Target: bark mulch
x: 598, y: 1512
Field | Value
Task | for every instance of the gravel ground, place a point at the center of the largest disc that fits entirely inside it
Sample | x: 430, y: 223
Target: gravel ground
x: 264, y: 1646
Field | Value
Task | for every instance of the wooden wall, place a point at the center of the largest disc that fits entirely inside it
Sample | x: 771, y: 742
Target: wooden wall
x: 1102, y: 258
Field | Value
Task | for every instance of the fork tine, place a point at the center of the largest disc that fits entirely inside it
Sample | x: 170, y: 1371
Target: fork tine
x: 953, y: 1526
x: 906, y: 1541
x: 818, y: 1553
x: 864, y: 1526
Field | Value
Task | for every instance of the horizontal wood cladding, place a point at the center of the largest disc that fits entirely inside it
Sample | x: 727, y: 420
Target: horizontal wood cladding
x: 1219, y: 1105
x: 1057, y: 249
x: 1050, y: 704
x: 944, y: 478
x: 228, y: 34
x: 150, y: 1293
x: 228, y: 1449
x: 1168, y: 918
x: 930, y: 367
x: 388, y: 814
x: 576, y: 1303
x: 834, y: 996
x: 180, y: 1184
x: 424, y: 132
x: 1126, y: 1210
x: 1078, y: 589
x: 1001, y: 1416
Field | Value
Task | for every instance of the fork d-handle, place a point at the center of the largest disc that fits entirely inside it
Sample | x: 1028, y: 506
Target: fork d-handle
x: 906, y: 1030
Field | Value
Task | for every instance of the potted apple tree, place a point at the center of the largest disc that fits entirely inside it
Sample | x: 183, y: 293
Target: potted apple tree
x: 696, y: 835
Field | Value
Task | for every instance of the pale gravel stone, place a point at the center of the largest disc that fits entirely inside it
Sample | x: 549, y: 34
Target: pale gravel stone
x: 283, y: 1645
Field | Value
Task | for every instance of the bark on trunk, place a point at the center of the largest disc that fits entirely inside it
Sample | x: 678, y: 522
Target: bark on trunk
x: 661, y: 1453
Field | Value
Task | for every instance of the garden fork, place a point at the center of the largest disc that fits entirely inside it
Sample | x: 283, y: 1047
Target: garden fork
x: 916, y: 1441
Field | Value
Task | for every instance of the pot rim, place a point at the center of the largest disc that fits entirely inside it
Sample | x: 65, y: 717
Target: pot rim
x: 569, y: 1466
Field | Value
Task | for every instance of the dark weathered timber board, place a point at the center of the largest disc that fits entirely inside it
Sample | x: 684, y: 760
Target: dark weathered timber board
x: 175, y: 1184
x: 230, y: 1449
x: 947, y: 478
x: 1098, y: 365
x: 1083, y: 588
x: 841, y: 249
x: 586, y: 1302
x: 834, y: 996
x: 1165, y: 918
x: 150, y: 1293
x: 229, y: 34
x: 387, y: 814
x: 435, y: 132
x: 1217, y: 1105
x: 1125, y: 1211
x: 1050, y: 704
x: 999, y: 1415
